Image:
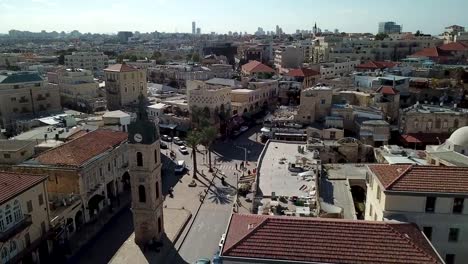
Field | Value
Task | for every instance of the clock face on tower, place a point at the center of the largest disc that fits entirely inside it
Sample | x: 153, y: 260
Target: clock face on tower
x: 138, y: 137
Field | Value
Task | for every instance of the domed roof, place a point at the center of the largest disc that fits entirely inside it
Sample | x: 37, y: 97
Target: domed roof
x: 460, y: 137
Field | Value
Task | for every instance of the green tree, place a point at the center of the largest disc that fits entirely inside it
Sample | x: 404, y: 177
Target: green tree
x: 156, y: 55
x: 195, y: 57
x: 193, y: 140
x: 418, y: 33
x: 133, y: 58
x: 208, y: 136
x: 381, y: 36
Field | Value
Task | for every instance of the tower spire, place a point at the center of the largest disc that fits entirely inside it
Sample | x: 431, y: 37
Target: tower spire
x: 142, y: 113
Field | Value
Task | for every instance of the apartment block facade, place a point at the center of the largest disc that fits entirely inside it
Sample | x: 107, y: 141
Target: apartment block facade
x: 25, y: 95
x: 93, y: 61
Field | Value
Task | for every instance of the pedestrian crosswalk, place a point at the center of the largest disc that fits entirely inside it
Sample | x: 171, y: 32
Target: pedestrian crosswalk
x: 227, y: 167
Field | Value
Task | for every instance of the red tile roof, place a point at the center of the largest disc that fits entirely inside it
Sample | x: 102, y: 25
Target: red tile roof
x: 388, y: 90
x: 302, y: 72
x: 377, y: 65
x: 14, y: 183
x: 76, y: 152
x: 454, y: 46
x: 427, y: 179
x: 120, y: 68
x: 427, y: 52
x: 424, y: 138
x: 325, y: 240
x: 256, y: 67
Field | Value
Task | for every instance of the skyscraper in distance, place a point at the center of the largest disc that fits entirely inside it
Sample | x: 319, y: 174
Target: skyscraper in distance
x: 194, y: 28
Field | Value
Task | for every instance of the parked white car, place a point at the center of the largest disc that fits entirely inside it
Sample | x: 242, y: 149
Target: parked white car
x: 180, y: 166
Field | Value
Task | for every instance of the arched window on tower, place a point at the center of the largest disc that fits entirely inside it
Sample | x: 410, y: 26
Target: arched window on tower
x: 159, y: 225
x: 139, y: 157
x: 157, y: 190
x: 155, y: 156
x: 141, y: 194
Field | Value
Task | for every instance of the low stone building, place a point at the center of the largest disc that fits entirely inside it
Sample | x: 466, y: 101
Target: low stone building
x: 315, y: 104
x: 15, y: 151
x: 345, y: 150
x: 430, y: 124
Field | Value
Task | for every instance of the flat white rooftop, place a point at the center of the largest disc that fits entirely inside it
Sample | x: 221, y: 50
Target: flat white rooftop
x: 274, y: 175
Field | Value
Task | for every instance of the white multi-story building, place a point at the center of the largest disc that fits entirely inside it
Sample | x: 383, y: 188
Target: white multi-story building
x: 338, y: 68
x: 434, y: 198
x: 288, y: 57
x: 94, y: 61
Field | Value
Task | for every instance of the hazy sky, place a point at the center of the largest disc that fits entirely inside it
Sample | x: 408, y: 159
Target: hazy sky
x: 110, y: 16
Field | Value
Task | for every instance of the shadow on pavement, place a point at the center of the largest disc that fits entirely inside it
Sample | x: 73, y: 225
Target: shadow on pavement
x: 102, y: 248
x: 169, y: 177
x: 220, y: 195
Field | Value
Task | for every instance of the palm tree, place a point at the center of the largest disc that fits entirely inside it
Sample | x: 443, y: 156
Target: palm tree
x: 193, y: 139
x: 208, y: 135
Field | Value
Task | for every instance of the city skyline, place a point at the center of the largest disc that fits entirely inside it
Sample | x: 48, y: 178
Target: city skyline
x: 168, y: 16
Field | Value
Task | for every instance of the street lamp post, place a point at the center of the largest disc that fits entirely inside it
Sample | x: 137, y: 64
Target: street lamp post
x: 245, y: 154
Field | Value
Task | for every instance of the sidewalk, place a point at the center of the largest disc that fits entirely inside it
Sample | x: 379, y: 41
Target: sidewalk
x: 90, y: 230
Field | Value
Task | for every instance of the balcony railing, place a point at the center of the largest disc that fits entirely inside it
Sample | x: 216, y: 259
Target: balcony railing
x: 17, y: 228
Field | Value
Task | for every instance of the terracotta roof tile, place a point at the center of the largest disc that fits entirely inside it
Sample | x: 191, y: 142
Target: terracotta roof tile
x: 120, y: 68
x: 388, y: 90
x: 76, y: 152
x: 425, y: 138
x: 326, y: 240
x: 256, y: 67
x: 377, y: 65
x: 302, y: 72
x: 427, y: 179
x: 14, y: 183
x: 427, y: 52
x: 454, y: 46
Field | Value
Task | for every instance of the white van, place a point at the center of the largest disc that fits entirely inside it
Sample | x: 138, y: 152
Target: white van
x: 180, y: 166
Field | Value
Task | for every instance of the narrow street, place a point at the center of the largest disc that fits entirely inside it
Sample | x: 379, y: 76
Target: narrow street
x: 202, y: 240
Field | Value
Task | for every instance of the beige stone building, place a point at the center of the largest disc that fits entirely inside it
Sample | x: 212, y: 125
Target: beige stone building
x: 93, y: 167
x: 429, y: 119
x: 315, y: 104
x: 344, y: 150
x: 77, y: 89
x: 25, y: 95
x: 387, y: 99
x: 208, y: 100
x: 256, y: 96
x: 15, y: 151
x: 123, y: 85
x: 434, y: 198
x: 24, y: 218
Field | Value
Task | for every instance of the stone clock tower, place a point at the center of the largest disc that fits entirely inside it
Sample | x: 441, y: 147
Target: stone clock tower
x: 145, y: 177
